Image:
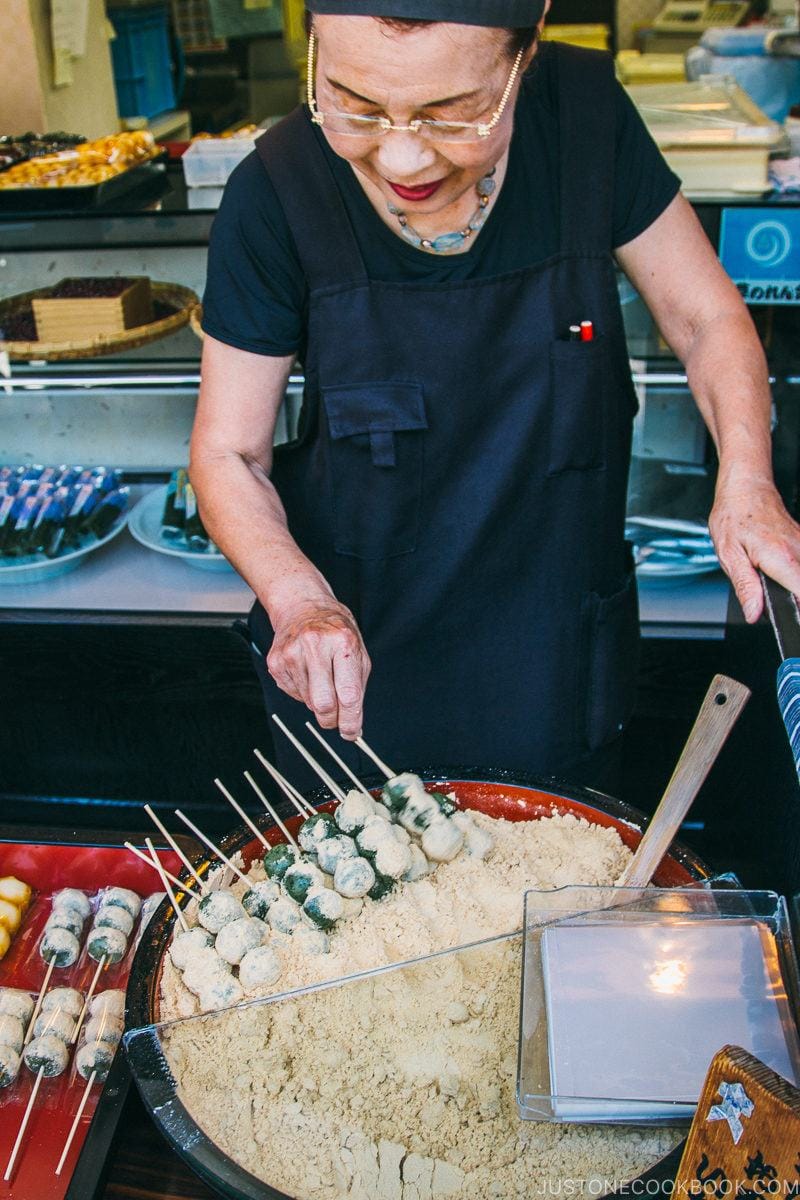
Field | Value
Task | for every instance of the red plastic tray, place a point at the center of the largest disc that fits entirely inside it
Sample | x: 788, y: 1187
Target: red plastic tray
x: 48, y: 867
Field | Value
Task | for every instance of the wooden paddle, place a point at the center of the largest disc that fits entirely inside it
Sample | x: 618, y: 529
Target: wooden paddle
x: 720, y: 710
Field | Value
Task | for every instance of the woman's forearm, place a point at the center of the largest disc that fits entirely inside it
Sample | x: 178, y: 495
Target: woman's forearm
x: 243, y: 514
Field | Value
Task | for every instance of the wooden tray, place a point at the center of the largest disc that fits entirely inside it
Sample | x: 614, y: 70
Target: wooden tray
x: 181, y: 300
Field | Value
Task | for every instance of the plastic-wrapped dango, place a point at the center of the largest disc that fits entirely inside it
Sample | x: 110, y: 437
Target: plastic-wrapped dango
x: 95, y: 1058
x: 184, y: 944
x: 112, y: 1001
x: 354, y: 877
x: 104, y: 1028
x: 61, y: 946
x: 12, y: 1032
x: 71, y: 898
x: 64, y: 999
x: 108, y: 944
x: 237, y: 937
x: 284, y: 915
x: 278, y: 860
x: 65, y: 918
x: 331, y: 851
x: 260, y: 966
x: 122, y: 898
x: 219, y: 908
x: 262, y: 895
x: 442, y: 840
x: 47, y: 1054
x: 300, y: 879
x: 314, y: 829
x: 323, y: 907
x: 114, y: 916
x: 16, y: 1003
x: 55, y: 1022
x: 353, y: 812
x: 9, y: 1065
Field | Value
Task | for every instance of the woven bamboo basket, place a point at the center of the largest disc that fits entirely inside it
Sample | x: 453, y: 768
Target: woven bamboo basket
x: 181, y: 300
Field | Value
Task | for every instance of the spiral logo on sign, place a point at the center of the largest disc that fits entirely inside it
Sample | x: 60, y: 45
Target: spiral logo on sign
x: 769, y: 243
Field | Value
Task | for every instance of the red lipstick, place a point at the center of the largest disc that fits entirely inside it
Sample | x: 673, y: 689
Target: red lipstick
x: 423, y: 192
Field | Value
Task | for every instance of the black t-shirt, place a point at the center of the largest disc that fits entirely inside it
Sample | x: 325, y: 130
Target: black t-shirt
x: 256, y: 295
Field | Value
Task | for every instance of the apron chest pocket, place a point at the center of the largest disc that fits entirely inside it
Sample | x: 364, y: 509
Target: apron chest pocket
x: 612, y: 661
x: 376, y: 435
x: 578, y: 381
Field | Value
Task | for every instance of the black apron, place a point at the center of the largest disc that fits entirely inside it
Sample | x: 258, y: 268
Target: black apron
x: 461, y: 473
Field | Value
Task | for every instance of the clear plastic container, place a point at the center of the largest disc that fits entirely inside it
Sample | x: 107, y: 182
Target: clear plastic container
x: 627, y: 994
x: 209, y: 162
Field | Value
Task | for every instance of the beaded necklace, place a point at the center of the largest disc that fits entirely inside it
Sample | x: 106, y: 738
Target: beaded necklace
x: 447, y: 242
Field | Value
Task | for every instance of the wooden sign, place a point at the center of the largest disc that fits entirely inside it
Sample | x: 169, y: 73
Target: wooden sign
x: 745, y: 1137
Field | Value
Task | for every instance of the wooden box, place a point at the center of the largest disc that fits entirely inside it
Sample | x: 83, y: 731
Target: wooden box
x: 73, y: 318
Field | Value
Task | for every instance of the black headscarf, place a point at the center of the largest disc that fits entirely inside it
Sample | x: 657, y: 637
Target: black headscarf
x: 504, y: 14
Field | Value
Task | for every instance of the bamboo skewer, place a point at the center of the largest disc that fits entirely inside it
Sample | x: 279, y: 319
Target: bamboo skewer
x: 303, y: 807
x: 37, y: 1008
x: 288, y: 788
x: 214, y: 849
x: 270, y: 809
x: 237, y: 808
x: 162, y: 829
x: 351, y: 775
x: 379, y: 763
x: 184, y: 924
x: 23, y: 1126
x: 180, y: 884
x: 318, y: 768
x: 76, y: 1122
x: 88, y: 999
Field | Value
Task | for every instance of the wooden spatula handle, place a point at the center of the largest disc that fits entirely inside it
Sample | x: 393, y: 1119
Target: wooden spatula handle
x: 724, y: 702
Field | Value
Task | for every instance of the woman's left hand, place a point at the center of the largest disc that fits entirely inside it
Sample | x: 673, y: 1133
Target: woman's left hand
x: 751, y: 529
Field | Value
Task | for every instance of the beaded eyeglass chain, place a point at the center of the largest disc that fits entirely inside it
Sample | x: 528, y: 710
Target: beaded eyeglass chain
x: 447, y: 242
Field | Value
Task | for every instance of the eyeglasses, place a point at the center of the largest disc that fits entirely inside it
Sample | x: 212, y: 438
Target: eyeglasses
x: 433, y: 131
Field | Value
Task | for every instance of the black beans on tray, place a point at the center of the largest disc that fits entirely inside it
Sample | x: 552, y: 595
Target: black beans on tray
x: 53, y: 510
x: 181, y: 522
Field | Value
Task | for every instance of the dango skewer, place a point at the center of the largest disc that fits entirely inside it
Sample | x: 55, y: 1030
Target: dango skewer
x: 379, y: 763
x: 351, y: 775
x: 286, y: 787
x: 76, y: 1122
x: 171, y: 841
x: 23, y: 1126
x: 272, y: 812
x: 100, y: 1066
x: 38, y: 1005
x: 238, y: 808
x: 317, y: 767
x: 184, y: 924
x: 92, y: 988
x: 180, y: 884
x: 214, y: 849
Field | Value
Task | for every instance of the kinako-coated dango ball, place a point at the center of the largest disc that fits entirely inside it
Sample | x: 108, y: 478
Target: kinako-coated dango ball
x: 299, y: 879
x: 47, y: 1054
x: 237, y: 937
x: 323, y: 907
x: 60, y: 945
x: 442, y: 840
x: 352, y: 813
x: 184, y: 944
x: 354, y: 877
x: 108, y: 944
x: 372, y: 835
x: 260, y: 966
x: 331, y: 851
x: 313, y: 830
x: 124, y: 898
x: 114, y: 916
x: 219, y: 908
x: 278, y: 860
x: 284, y: 914
x: 221, y: 991
x: 65, y: 999
x: 95, y: 1058
x: 9, y: 1066
x: 381, y: 887
x: 447, y: 806
x: 392, y: 858
x: 261, y: 896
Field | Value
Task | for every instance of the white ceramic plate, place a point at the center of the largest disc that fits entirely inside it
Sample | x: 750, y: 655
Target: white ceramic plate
x: 37, y: 568
x: 145, y: 525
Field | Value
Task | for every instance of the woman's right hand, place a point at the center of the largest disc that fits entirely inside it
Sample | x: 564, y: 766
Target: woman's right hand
x: 318, y: 657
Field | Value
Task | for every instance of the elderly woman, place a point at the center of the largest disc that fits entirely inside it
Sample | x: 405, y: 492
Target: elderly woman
x: 446, y: 533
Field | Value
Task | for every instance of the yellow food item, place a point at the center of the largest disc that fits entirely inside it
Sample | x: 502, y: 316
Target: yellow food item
x: 85, y: 164
x: 5, y: 941
x: 15, y: 891
x: 10, y: 916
